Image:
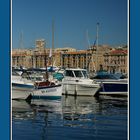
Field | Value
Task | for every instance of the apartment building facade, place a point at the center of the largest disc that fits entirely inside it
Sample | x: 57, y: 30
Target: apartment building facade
x: 102, y: 58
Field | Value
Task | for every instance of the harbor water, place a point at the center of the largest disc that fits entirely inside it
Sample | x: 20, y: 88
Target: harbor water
x: 71, y: 118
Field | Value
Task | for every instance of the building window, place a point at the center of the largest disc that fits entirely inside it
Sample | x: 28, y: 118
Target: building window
x: 123, y: 71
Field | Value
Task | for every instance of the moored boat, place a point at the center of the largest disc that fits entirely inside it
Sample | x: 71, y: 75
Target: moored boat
x: 21, y: 88
x: 111, y: 85
x: 47, y: 90
x: 76, y: 82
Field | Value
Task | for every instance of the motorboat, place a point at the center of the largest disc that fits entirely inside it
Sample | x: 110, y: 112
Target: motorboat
x: 21, y: 87
x: 111, y: 85
x: 76, y: 82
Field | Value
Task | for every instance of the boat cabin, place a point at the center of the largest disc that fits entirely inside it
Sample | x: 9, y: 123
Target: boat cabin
x: 78, y: 73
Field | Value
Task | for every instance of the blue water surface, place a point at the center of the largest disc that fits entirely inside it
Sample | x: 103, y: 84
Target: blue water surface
x: 70, y: 118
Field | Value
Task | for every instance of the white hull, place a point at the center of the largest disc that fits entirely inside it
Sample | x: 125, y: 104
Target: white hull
x: 21, y: 90
x: 20, y: 93
x: 48, y: 92
x: 76, y: 82
x: 80, y: 89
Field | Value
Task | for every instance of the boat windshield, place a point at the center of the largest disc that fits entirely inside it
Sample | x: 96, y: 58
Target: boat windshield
x: 78, y: 73
x: 69, y: 73
x: 85, y: 74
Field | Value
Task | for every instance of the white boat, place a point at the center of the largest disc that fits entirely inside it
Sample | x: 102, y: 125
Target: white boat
x: 76, y: 82
x: 47, y: 90
x: 21, y: 87
x: 21, y: 94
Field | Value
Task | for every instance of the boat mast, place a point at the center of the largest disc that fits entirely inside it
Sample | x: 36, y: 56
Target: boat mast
x: 46, y: 65
x: 89, y: 45
x: 97, y: 43
x: 52, y: 41
x: 20, y: 49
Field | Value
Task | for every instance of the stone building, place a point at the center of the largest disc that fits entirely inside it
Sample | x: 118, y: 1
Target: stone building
x: 116, y: 61
x: 94, y: 59
x: 38, y: 57
x: 91, y: 59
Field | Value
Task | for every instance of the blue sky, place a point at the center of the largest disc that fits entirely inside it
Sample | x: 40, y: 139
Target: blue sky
x: 72, y: 19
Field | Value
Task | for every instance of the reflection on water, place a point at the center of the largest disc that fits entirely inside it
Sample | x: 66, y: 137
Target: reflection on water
x: 103, y: 118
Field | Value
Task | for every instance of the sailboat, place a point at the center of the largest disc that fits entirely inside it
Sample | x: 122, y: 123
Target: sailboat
x: 47, y: 89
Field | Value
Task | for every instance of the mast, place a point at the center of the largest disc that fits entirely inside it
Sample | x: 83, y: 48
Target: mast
x: 89, y: 45
x: 52, y: 41
x: 45, y: 63
x: 20, y: 63
x: 97, y: 42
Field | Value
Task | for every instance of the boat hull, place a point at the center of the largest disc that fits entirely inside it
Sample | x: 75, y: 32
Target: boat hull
x: 20, y: 94
x: 80, y: 89
x: 118, y: 88
x: 50, y: 92
x: 21, y: 91
x: 77, y: 83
